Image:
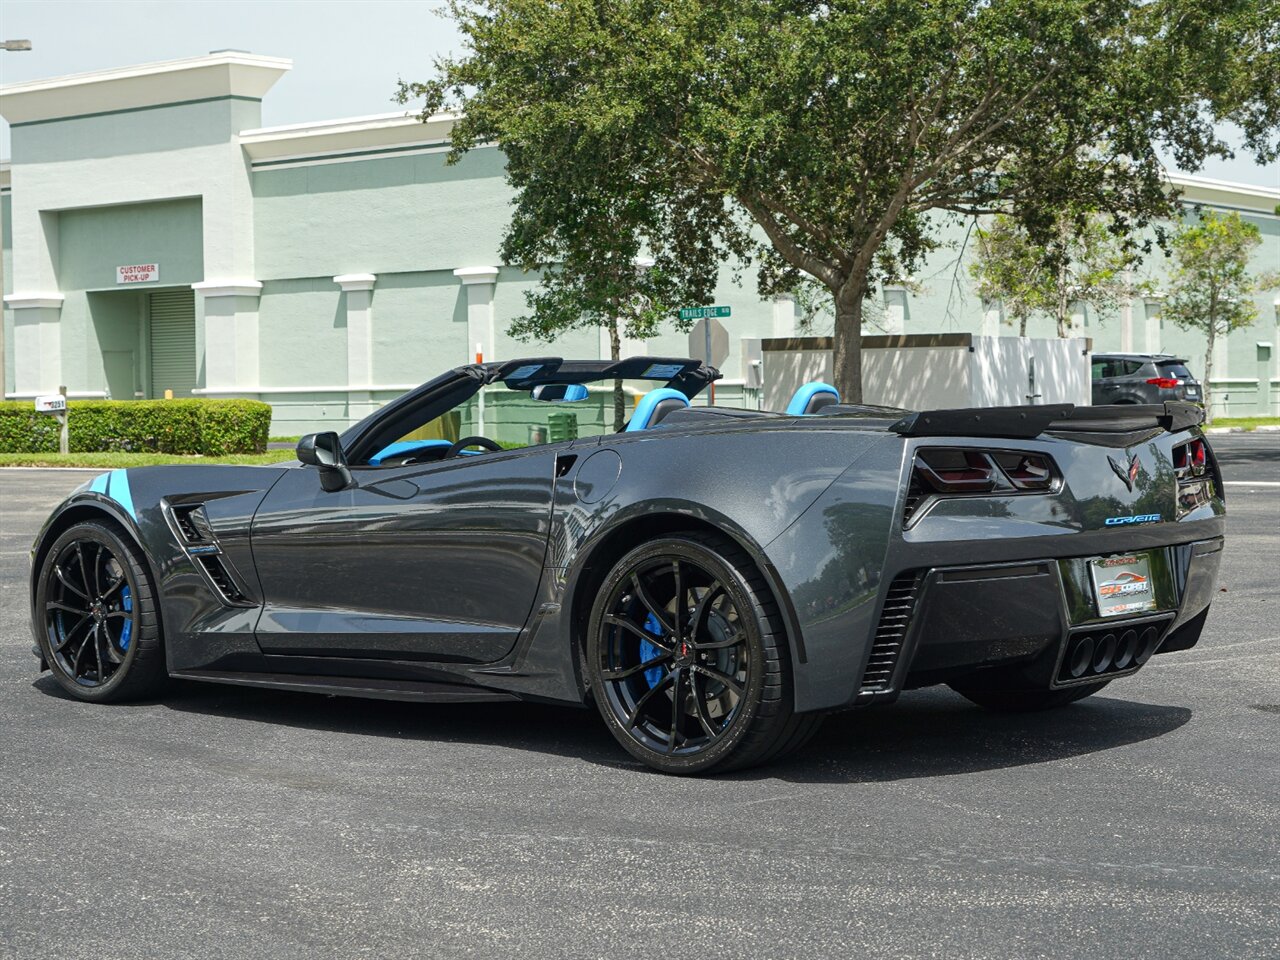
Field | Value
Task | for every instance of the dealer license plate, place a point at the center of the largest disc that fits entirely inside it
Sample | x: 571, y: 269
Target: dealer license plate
x: 1122, y: 584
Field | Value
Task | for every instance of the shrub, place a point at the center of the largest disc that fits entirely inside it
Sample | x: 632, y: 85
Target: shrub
x: 140, y: 426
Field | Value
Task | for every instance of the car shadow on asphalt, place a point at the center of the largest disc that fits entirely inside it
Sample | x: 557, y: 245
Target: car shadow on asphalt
x: 936, y: 733
x: 928, y: 733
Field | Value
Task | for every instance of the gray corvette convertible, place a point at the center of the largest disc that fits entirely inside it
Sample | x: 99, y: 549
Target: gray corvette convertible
x: 714, y: 580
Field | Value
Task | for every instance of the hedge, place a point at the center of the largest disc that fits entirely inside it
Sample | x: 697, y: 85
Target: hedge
x: 209, y: 427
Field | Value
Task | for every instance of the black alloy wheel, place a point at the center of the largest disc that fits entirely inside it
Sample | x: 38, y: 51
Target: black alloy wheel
x: 100, y: 635
x: 688, y: 661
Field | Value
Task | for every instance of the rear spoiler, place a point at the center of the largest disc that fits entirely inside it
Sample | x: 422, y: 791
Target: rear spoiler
x: 1026, y: 423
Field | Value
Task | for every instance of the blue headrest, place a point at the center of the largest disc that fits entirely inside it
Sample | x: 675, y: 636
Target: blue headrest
x: 650, y: 402
x: 802, y: 401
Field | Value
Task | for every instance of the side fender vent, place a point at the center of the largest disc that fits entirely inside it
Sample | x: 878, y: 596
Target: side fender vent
x: 190, y: 524
x: 193, y: 524
x: 221, y: 579
x: 891, y: 632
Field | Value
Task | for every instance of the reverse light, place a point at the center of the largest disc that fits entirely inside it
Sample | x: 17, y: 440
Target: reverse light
x: 1026, y: 471
x: 1164, y: 383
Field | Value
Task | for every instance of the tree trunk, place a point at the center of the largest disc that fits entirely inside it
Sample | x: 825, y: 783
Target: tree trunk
x: 1022, y: 325
x: 1064, y: 304
x: 1208, y: 360
x: 619, y: 398
x: 847, y: 359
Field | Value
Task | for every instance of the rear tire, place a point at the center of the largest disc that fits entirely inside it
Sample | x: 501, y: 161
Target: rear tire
x: 990, y: 694
x: 98, y: 627
x: 687, y: 659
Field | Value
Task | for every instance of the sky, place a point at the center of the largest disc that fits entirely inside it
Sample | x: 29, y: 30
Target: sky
x: 347, y: 54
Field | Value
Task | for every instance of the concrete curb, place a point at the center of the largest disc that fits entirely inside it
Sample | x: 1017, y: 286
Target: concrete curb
x: 1268, y: 428
x: 1225, y: 430
x: 67, y: 469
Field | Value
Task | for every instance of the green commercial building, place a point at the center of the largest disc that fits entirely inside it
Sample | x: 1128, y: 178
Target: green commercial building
x: 158, y: 238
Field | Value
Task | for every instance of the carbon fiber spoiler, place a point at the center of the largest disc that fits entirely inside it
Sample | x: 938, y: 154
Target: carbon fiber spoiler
x: 1026, y: 423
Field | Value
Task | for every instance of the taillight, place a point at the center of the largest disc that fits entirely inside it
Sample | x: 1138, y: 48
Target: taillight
x: 1190, y: 459
x: 1198, y: 479
x: 956, y: 471
x: 1164, y: 383
x: 950, y: 471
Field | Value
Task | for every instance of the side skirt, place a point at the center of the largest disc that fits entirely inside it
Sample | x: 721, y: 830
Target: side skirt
x: 422, y: 691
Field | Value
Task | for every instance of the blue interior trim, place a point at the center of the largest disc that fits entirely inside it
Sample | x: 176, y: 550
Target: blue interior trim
x: 649, y: 402
x: 800, y: 399
x: 404, y: 446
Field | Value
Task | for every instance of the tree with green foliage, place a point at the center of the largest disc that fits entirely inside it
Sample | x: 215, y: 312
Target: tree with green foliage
x: 1210, y: 288
x: 830, y: 140
x: 1084, y: 262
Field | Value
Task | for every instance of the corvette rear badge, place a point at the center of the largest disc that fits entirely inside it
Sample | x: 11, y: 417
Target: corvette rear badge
x: 1127, y: 475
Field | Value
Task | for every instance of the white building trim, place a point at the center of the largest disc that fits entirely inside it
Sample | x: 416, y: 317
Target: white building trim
x: 1225, y: 193
x: 473, y: 275
x: 71, y: 395
x: 30, y: 301
x: 357, y: 388
x: 227, y: 288
x: 356, y: 281
x: 225, y: 74
x: 311, y: 142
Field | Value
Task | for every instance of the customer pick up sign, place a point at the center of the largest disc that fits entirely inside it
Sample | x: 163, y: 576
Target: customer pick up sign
x: 138, y: 273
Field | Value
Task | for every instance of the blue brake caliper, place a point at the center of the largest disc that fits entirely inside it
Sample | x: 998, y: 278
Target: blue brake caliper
x: 126, y: 604
x: 648, y: 651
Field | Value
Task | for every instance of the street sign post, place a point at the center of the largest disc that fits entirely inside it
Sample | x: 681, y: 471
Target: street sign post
x: 56, y: 404
x: 709, y: 334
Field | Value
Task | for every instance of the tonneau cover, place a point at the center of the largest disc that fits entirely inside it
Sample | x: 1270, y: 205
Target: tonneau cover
x: 1027, y: 422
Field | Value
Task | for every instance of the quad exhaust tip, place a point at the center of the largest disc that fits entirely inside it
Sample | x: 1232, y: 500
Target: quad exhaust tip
x: 1094, y: 654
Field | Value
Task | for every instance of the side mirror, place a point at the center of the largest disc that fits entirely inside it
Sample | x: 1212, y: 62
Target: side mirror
x: 560, y: 392
x: 324, y: 450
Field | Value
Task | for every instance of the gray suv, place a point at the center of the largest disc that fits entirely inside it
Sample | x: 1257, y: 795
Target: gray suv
x: 1142, y: 378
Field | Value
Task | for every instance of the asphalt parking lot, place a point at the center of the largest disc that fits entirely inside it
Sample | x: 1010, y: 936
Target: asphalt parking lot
x: 223, y: 822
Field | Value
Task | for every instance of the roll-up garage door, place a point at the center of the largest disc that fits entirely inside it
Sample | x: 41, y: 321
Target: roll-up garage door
x: 173, y: 342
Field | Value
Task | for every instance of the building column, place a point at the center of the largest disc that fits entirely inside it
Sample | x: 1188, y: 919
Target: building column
x: 992, y: 314
x: 1275, y: 352
x: 627, y: 346
x: 479, y: 283
x: 784, y: 315
x: 895, y: 309
x: 357, y: 289
x: 1126, y: 316
x: 1263, y: 403
x: 37, y: 343
x: 1152, y: 307
x: 227, y: 335
x: 1075, y: 328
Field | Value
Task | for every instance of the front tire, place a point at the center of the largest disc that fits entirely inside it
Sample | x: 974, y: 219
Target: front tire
x: 98, y: 628
x: 687, y: 659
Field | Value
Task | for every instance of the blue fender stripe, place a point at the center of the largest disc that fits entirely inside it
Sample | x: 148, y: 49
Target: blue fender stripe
x: 115, y: 486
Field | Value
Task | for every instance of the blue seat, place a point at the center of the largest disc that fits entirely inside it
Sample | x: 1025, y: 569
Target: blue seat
x: 404, y: 446
x: 812, y: 397
x: 655, y: 405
